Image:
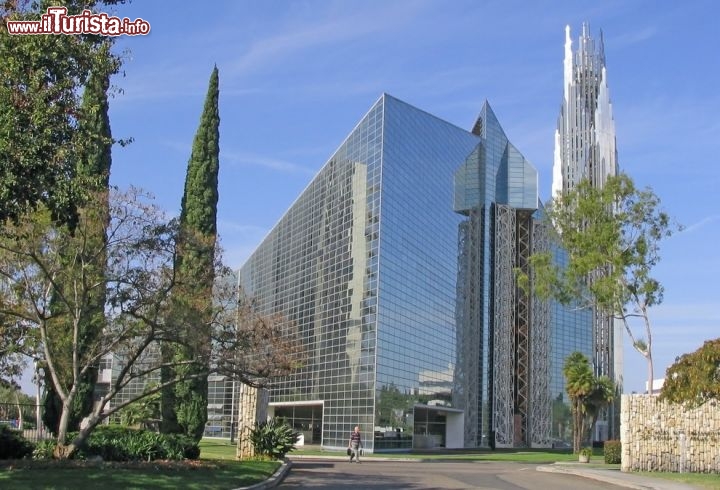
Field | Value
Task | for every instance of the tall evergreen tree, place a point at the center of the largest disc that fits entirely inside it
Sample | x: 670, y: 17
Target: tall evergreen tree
x: 184, y: 405
x: 41, y: 84
x: 92, y: 171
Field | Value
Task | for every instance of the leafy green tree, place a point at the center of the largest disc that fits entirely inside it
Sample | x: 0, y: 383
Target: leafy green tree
x: 139, y: 283
x: 15, y: 404
x: 10, y: 394
x: 694, y: 378
x: 612, y: 236
x: 184, y: 405
x: 93, y: 167
x: 41, y: 82
x: 51, y: 298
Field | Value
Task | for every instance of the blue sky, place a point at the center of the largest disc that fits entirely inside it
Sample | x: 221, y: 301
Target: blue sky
x: 296, y: 76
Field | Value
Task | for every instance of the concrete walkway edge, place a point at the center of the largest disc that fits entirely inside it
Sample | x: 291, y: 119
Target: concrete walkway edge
x: 274, y: 480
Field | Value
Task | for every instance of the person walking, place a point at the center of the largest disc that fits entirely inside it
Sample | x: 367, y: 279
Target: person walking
x: 354, y: 444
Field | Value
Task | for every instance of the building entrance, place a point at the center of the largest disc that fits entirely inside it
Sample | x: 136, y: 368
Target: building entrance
x: 436, y: 427
x: 305, y: 419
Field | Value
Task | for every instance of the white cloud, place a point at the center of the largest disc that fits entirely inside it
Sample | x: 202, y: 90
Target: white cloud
x: 637, y: 35
x: 303, y: 32
x: 700, y: 224
x: 245, y: 158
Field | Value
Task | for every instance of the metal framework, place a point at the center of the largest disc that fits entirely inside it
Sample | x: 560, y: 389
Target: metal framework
x: 521, y: 337
x: 504, y: 332
x: 522, y: 326
x: 541, y: 404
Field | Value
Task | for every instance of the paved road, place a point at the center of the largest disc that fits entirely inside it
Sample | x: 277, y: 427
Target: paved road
x: 375, y: 475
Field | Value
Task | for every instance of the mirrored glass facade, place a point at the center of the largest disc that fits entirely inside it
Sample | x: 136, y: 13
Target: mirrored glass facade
x: 397, y: 267
x: 571, y: 331
x: 364, y: 264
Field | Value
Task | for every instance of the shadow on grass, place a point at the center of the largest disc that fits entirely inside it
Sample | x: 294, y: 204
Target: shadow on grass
x: 161, y: 475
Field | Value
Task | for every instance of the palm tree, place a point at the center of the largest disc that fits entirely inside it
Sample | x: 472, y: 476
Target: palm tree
x: 579, y: 384
x: 600, y: 397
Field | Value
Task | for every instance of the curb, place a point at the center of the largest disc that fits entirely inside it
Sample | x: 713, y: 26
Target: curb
x: 593, y: 476
x: 622, y: 480
x: 274, y: 480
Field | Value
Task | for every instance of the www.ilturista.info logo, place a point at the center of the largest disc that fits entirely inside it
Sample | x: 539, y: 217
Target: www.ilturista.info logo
x: 57, y: 21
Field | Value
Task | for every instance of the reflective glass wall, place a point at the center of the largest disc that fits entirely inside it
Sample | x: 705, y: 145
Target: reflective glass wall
x: 570, y: 331
x: 418, y: 269
x: 363, y: 265
x: 318, y: 269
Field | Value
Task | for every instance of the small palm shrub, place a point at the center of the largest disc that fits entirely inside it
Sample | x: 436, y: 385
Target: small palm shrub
x: 612, y: 450
x: 12, y: 444
x: 273, y: 438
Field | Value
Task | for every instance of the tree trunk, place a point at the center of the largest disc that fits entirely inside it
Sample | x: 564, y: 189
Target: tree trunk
x: 19, y: 409
x: 650, y: 373
x: 577, y: 427
x: 591, y: 431
x: 67, y: 451
x: 63, y: 424
x: 64, y: 451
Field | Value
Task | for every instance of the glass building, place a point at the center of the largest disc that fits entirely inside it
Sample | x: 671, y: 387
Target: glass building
x: 411, y: 329
x: 503, y: 332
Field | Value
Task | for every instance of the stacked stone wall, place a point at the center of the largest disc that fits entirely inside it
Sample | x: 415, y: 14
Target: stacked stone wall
x: 253, y: 403
x: 660, y: 436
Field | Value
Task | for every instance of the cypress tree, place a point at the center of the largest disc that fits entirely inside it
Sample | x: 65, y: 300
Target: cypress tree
x: 184, y: 405
x: 92, y: 173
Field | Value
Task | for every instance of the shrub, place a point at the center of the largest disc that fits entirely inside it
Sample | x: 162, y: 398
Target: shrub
x: 612, y: 451
x: 117, y: 443
x: 586, y: 451
x: 187, y: 446
x: 12, y: 444
x: 273, y: 438
x: 44, y: 449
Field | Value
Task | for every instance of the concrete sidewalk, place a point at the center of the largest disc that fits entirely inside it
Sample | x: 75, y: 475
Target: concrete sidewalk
x: 615, y: 477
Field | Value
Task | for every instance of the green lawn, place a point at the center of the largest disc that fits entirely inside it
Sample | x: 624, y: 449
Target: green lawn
x: 221, y: 449
x: 522, y: 456
x: 217, y: 469
x: 217, y: 449
x: 702, y: 480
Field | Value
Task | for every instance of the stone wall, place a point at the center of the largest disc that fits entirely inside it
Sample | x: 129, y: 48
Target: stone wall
x: 660, y: 436
x: 252, y: 407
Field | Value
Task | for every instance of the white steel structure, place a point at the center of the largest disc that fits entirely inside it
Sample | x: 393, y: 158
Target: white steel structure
x: 585, y: 135
x: 585, y: 148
